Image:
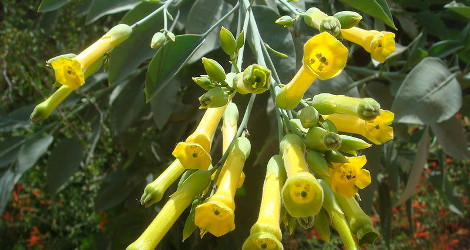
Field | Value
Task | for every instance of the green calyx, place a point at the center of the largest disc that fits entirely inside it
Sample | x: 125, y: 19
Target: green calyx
x: 306, y: 222
x: 214, y: 98
x: 368, y: 109
x: 320, y: 139
x: 286, y: 21
x: 118, y: 33
x: 348, y: 19
x: 308, y: 117
x: 255, y: 79
x: 204, y: 82
x: 317, y: 163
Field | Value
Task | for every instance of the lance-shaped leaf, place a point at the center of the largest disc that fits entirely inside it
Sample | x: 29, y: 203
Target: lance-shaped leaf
x: 376, y: 8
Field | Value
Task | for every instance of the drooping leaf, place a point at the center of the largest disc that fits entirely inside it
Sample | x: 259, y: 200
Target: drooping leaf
x: 451, y: 136
x: 50, y: 5
x: 376, y: 8
x: 19, y: 118
x: 447, y: 192
x: 432, y: 23
x: 278, y: 38
x: 199, y: 24
x: 101, y: 8
x: 113, y: 191
x: 385, y: 211
x: 459, y: 8
x: 168, y: 61
x: 417, y: 168
x: 445, y: 48
x: 164, y: 103
x: 9, y: 148
x: 125, y: 58
x: 7, y: 181
x: 127, y: 105
x: 31, y: 151
x: 64, y: 161
x: 429, y: 94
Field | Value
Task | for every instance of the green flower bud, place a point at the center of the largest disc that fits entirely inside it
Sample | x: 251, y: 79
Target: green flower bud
x: 297, y: 125
x: 320, y: 139
x: 331, y: 25
x: 227, y: 41
x: 214, y: 98
x: 348, y: 19
x: 321, y: 224
x: 306, y: 222
x: 335, y: 156
x: 158, y: 40
x: 214, y: 69
x: 364, y: 108
x: 256, y: 79
x: 308, y: 117
x: 350, y: 143
x: 204, y: 82
x: 118, y: 33
x: 286, y: 21
x: 368, y: 109
x: 317, y: 163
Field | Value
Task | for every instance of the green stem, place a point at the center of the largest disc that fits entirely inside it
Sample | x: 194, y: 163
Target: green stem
x: 221, y: 20
x: 165, y: 19
x: 290, y: 7
x: 143, y: 20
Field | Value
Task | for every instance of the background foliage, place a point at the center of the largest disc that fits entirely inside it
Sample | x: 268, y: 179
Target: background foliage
x: 73, y: 181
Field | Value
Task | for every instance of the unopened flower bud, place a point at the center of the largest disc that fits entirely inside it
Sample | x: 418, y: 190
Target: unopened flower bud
x: 204, y: 82
x: 286, y: 21
x: 158, y: 40
x: 240, y: 39
x: 350, y: 143
x: 214, y: 98
x: 170, y: 36
x: 317, y: 163
x: 227, y: 41
x: 313, y: 16
x: 308, y: 117
x: 320, y: 139
x: 214, y: 69
x: 255, y: 79
x: 364, y: 108
x: 329, y: 125
x: 331, y: 25
x: 335, y: 156
x: 348, y: 19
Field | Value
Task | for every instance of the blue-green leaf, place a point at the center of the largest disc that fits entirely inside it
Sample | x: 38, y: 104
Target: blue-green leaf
x: 31, y: 151
x: 459, y: 8
x: 451, y: 136
x: 50, y: 5
x: 101, y: 8
x: 168, y: 61
x: 376, y: 8
x: 430, y: 93
x: 125, y: 58
x: 113, y: 191
x: 64, y: 161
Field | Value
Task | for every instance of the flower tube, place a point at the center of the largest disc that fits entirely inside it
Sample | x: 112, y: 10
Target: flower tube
x: 266, y: 232
x: 178, y: 202
x: 347, y: 177
x: 216, y: 215
x: 194, y: 152
x: 324, y: 58
x: 154, y: 191
x: 377, y: 130
x: 364, y: 108
x: 380, y: 44
x: 301, y: 194
x: 359, y: 222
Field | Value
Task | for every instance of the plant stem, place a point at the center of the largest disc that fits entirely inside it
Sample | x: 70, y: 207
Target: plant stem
x: 220, y: 20
x: 290, y: 7
x: 143, y: 20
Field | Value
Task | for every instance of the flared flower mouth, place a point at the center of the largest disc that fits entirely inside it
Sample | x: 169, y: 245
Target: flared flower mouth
x: 382, y: 45
x: 215, y: 217
x: 192, y: 156
x: 68, y: 72
x: 302, y: 195
x: 346, y: 178
x: 378, y: 130
x: 325, y: 56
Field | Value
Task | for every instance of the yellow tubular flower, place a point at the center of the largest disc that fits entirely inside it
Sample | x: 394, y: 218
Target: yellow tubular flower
x: 178, y: 202
x: 69, y: 71
x: 216, y: 215
x: 229, y: 130
x: 377, y: 130
x: 194, y: 152
x: 301, y: 194
x: 324, y: 58
x: 45, y: 108
x: 380, y: 44
x: 347, y: 177
x: 266, y: 232
x: 154, y: 191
